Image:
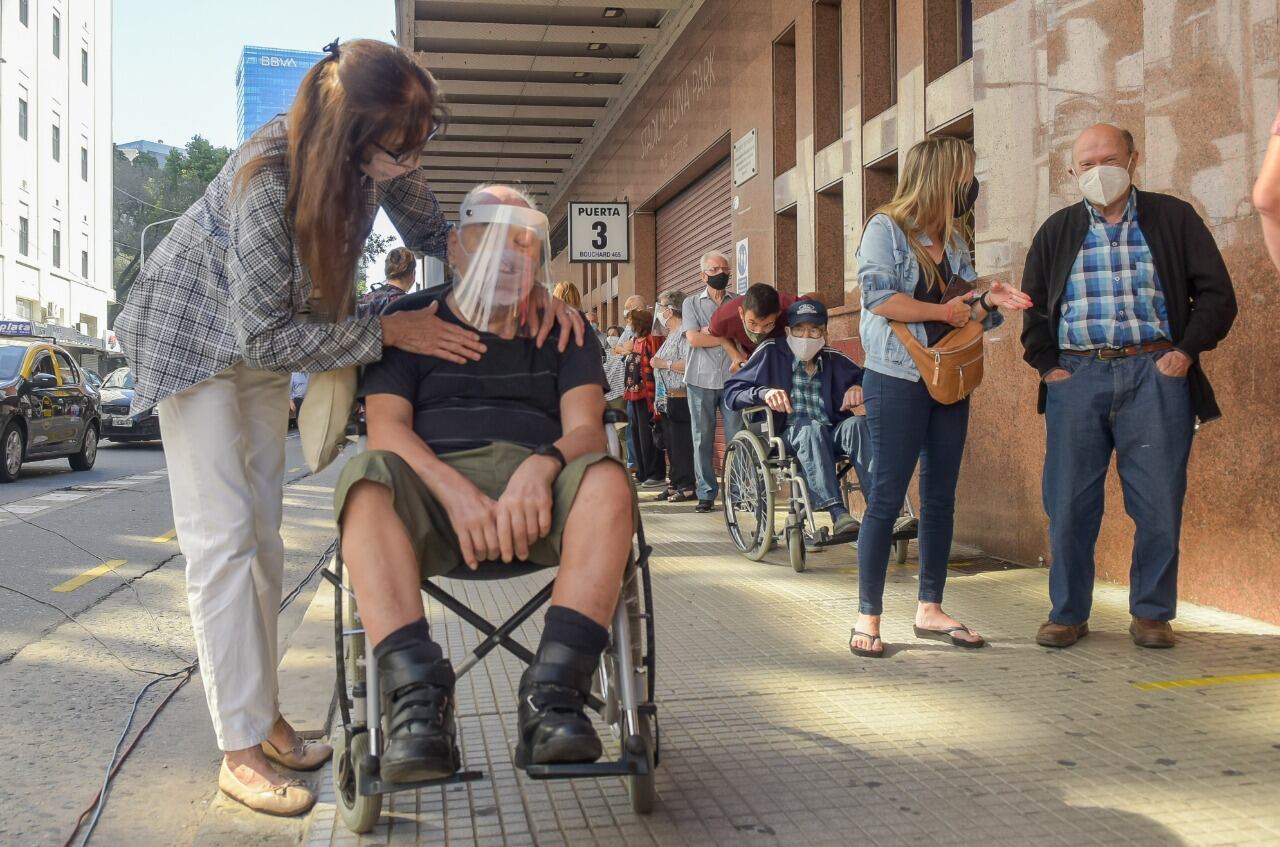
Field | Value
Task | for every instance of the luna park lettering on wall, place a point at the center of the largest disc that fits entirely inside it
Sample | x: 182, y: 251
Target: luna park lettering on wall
x: 679, y: 101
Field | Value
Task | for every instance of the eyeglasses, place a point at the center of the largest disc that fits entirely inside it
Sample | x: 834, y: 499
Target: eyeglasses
x: 408, y: 155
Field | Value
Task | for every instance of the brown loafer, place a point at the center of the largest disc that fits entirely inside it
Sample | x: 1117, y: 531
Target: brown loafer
x: 307, y: 756
x: 292, y: 798
x: 1061, y: 634
x: 1155, y: 634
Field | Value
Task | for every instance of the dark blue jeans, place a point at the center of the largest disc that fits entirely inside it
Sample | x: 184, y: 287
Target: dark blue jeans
x: 1145, y: 417
x: 909, y: 426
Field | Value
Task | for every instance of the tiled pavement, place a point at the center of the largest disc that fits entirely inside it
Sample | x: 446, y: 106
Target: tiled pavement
x: 772, y: 733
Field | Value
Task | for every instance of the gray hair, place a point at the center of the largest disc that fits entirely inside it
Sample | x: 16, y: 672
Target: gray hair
x: 486, y: 186
x: 709, y: 255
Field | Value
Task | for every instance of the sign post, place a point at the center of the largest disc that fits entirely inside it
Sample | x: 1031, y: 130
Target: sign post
x: 599, y: 232
x: 741, y: 264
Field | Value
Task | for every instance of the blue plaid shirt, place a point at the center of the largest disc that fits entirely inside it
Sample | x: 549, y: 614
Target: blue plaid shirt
x: 1113, y: 297
x: 806, y: 394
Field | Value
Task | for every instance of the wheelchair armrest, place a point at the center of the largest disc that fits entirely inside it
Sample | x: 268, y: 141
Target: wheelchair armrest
x: 751, y: 413
x: 615, y: 416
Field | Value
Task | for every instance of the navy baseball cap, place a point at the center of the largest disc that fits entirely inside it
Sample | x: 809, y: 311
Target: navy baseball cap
x: 807, y: 312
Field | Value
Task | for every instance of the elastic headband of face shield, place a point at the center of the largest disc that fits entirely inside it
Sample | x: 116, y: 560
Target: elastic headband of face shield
x: 506, y: 253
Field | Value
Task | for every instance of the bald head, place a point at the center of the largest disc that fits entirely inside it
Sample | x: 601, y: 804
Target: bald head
x: 1102, y: 144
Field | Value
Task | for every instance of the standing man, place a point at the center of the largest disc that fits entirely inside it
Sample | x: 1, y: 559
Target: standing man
x: 705, y: 375
x: 1128, y: 289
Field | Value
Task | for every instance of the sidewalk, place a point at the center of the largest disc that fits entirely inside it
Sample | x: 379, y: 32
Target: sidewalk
x: 772, y: 733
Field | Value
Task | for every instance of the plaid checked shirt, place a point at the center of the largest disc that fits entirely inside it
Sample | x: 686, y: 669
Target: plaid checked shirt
x: 1113, y: 298
x: 806, y: 394
x: 227, y: 283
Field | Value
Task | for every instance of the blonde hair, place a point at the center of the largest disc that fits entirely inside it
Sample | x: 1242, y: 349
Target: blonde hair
x: 937, y: 173
x: 569, y: 293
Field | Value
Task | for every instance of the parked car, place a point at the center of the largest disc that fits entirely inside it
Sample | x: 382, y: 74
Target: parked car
x: 92, y: 378
x: 47, y: 410
x: 118, y: 424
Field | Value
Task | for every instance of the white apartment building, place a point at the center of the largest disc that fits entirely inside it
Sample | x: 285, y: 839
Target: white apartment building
x: 56, y: 168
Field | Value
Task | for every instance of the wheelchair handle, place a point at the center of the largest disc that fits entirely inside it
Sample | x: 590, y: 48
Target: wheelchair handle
x: 749, y: 413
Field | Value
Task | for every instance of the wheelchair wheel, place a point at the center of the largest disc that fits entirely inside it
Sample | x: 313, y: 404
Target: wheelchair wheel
x: 359, y: 812
x: 748, y: 491
x: 795, y: 547
x: 640, y: 787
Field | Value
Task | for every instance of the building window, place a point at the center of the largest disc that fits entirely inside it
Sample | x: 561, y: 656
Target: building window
x: 784, y: 102
x: 56, y: 136
x: 26, y: 309
x: 57, y: 35
x: 24, y: 9
x: 84, y: 164
x: 828, y: 95
x: 879, y: 56
x: 965, y: 9
x: 22, y: 118
x: 949, y: 42
x: 84, y: 264
x: 57, y: 248
x: 24, y: 236
x: 84, y: 66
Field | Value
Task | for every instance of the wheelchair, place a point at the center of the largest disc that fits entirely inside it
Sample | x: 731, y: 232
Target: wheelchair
x: 622, y: 694
x: 757, y: 466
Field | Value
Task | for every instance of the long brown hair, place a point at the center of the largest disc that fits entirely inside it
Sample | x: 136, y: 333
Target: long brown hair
x: 364, y: 92
x: 936, y: 174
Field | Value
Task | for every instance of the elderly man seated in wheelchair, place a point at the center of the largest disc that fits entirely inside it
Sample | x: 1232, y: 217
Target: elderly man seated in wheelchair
x: 814, y: 389
x: 496, y: 461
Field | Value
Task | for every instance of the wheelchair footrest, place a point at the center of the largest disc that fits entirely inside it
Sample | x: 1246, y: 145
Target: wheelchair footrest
x: 632, y: 763
x: 831, y: 540
x: 371, y: 785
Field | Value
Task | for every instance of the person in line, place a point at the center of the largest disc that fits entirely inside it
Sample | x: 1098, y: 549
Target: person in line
x: 1266, y: 195
x: 631, y: 304
x: 251, y: 284
x: 813, y: 389
x: 640, y: 394
x: 298, y: 383
x: 673, y: 399
x: 1128, y: 289
x: 911, y: 252
x: 708, y: 366
x: 568, y: 293
x: 743, y: 323
x: 446, y: 484
x: 401, y: 270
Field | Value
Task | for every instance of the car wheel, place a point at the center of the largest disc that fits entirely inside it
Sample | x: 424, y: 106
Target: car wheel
x: 88, y: 454
x: 12, y: 448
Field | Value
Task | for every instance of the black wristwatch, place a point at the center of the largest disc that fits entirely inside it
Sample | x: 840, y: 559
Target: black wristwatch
x: 550, y: 450
x: 985, y: 303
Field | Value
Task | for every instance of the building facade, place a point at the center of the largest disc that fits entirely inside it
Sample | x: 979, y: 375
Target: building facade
x: 266, y: 80
x: 55, y: 168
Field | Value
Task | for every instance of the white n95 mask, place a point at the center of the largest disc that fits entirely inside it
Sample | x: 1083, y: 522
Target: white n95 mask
x: 1105, y: 184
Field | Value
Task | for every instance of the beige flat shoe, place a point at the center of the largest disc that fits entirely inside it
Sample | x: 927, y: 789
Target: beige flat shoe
x: 307, y: 756
x: 287, y: 800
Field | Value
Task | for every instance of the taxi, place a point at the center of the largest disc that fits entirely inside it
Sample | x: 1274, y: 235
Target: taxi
x: 48, y: 409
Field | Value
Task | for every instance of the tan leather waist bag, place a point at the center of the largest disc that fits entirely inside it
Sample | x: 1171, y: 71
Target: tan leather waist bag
x: 952, y: 368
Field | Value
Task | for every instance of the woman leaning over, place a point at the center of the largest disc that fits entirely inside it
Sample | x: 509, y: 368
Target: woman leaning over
x: 912, y: 249
x: 251, y: 284
x: 673, y: 401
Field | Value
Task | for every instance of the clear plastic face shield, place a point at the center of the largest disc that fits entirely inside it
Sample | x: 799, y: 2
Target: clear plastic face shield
x: 501, y: 254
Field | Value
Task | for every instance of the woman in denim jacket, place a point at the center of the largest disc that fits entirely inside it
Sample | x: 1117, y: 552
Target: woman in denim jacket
x: 911, y: 250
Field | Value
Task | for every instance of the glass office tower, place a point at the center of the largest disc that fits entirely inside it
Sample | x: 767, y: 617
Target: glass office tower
x: 266, y: 80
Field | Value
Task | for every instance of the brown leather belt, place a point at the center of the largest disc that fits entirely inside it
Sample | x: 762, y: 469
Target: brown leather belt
x: 1122, y: 352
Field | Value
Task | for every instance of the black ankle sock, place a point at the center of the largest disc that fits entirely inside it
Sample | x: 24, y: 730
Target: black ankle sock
x: 575, y: 631
x: 410, y: 635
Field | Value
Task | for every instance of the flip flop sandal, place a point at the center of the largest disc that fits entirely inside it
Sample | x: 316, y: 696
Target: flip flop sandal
x: 948, y: 635
x: 866, y: 654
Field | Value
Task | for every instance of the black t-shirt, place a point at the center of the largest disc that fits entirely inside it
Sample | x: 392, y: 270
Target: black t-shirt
x: 934, y: 331
x: 512, y: 394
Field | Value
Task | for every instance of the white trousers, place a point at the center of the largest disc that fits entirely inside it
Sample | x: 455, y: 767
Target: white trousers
x: 224, y: 445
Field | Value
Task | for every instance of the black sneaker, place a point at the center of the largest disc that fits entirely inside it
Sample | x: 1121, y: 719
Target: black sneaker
x: 705, y: 505
x: 417, y: 701
x: 554, y: 727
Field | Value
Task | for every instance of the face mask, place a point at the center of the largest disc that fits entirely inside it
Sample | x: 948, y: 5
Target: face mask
x: 965, y: 204
x: 805, y: 348
x: 718, y: 281
x: 660, y: 319
x: 1105, y: 184
x: 756, y: 337
x: 612, y: 341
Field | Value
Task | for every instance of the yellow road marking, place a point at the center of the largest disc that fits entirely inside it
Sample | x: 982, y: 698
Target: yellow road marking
x: 1196, y: 682
x: 88, y: 576
x: 168, y: 536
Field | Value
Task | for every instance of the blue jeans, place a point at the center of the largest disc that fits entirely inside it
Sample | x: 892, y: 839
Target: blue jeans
x: 817, y: 445
x: 703, y: 405
x: 909, y: 426
x: 1124, y: 405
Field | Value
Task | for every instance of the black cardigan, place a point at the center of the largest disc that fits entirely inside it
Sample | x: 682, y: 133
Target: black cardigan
x: 1197, y: 287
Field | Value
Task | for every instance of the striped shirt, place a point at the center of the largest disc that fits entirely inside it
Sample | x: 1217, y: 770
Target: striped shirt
x: 806, y: 394
x: 1113, y: 296
x: 512, y: 394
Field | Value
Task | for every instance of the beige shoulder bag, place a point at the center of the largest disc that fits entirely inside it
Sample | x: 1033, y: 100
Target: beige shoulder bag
x: 323, y: 419
x: 952, y: 368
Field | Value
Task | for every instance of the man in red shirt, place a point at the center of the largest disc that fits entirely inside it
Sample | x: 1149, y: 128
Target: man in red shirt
x: 742, y: 323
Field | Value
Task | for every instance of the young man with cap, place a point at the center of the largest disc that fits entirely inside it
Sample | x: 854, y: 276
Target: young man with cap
x: 814, y: 388
x: 743, y: 323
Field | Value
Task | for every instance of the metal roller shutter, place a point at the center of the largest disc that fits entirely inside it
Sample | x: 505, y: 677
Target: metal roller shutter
x: 696, y: 220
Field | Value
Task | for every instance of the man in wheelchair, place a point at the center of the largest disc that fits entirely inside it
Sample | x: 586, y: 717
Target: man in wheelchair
x: 483, y: 464
x: 813, y: 388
